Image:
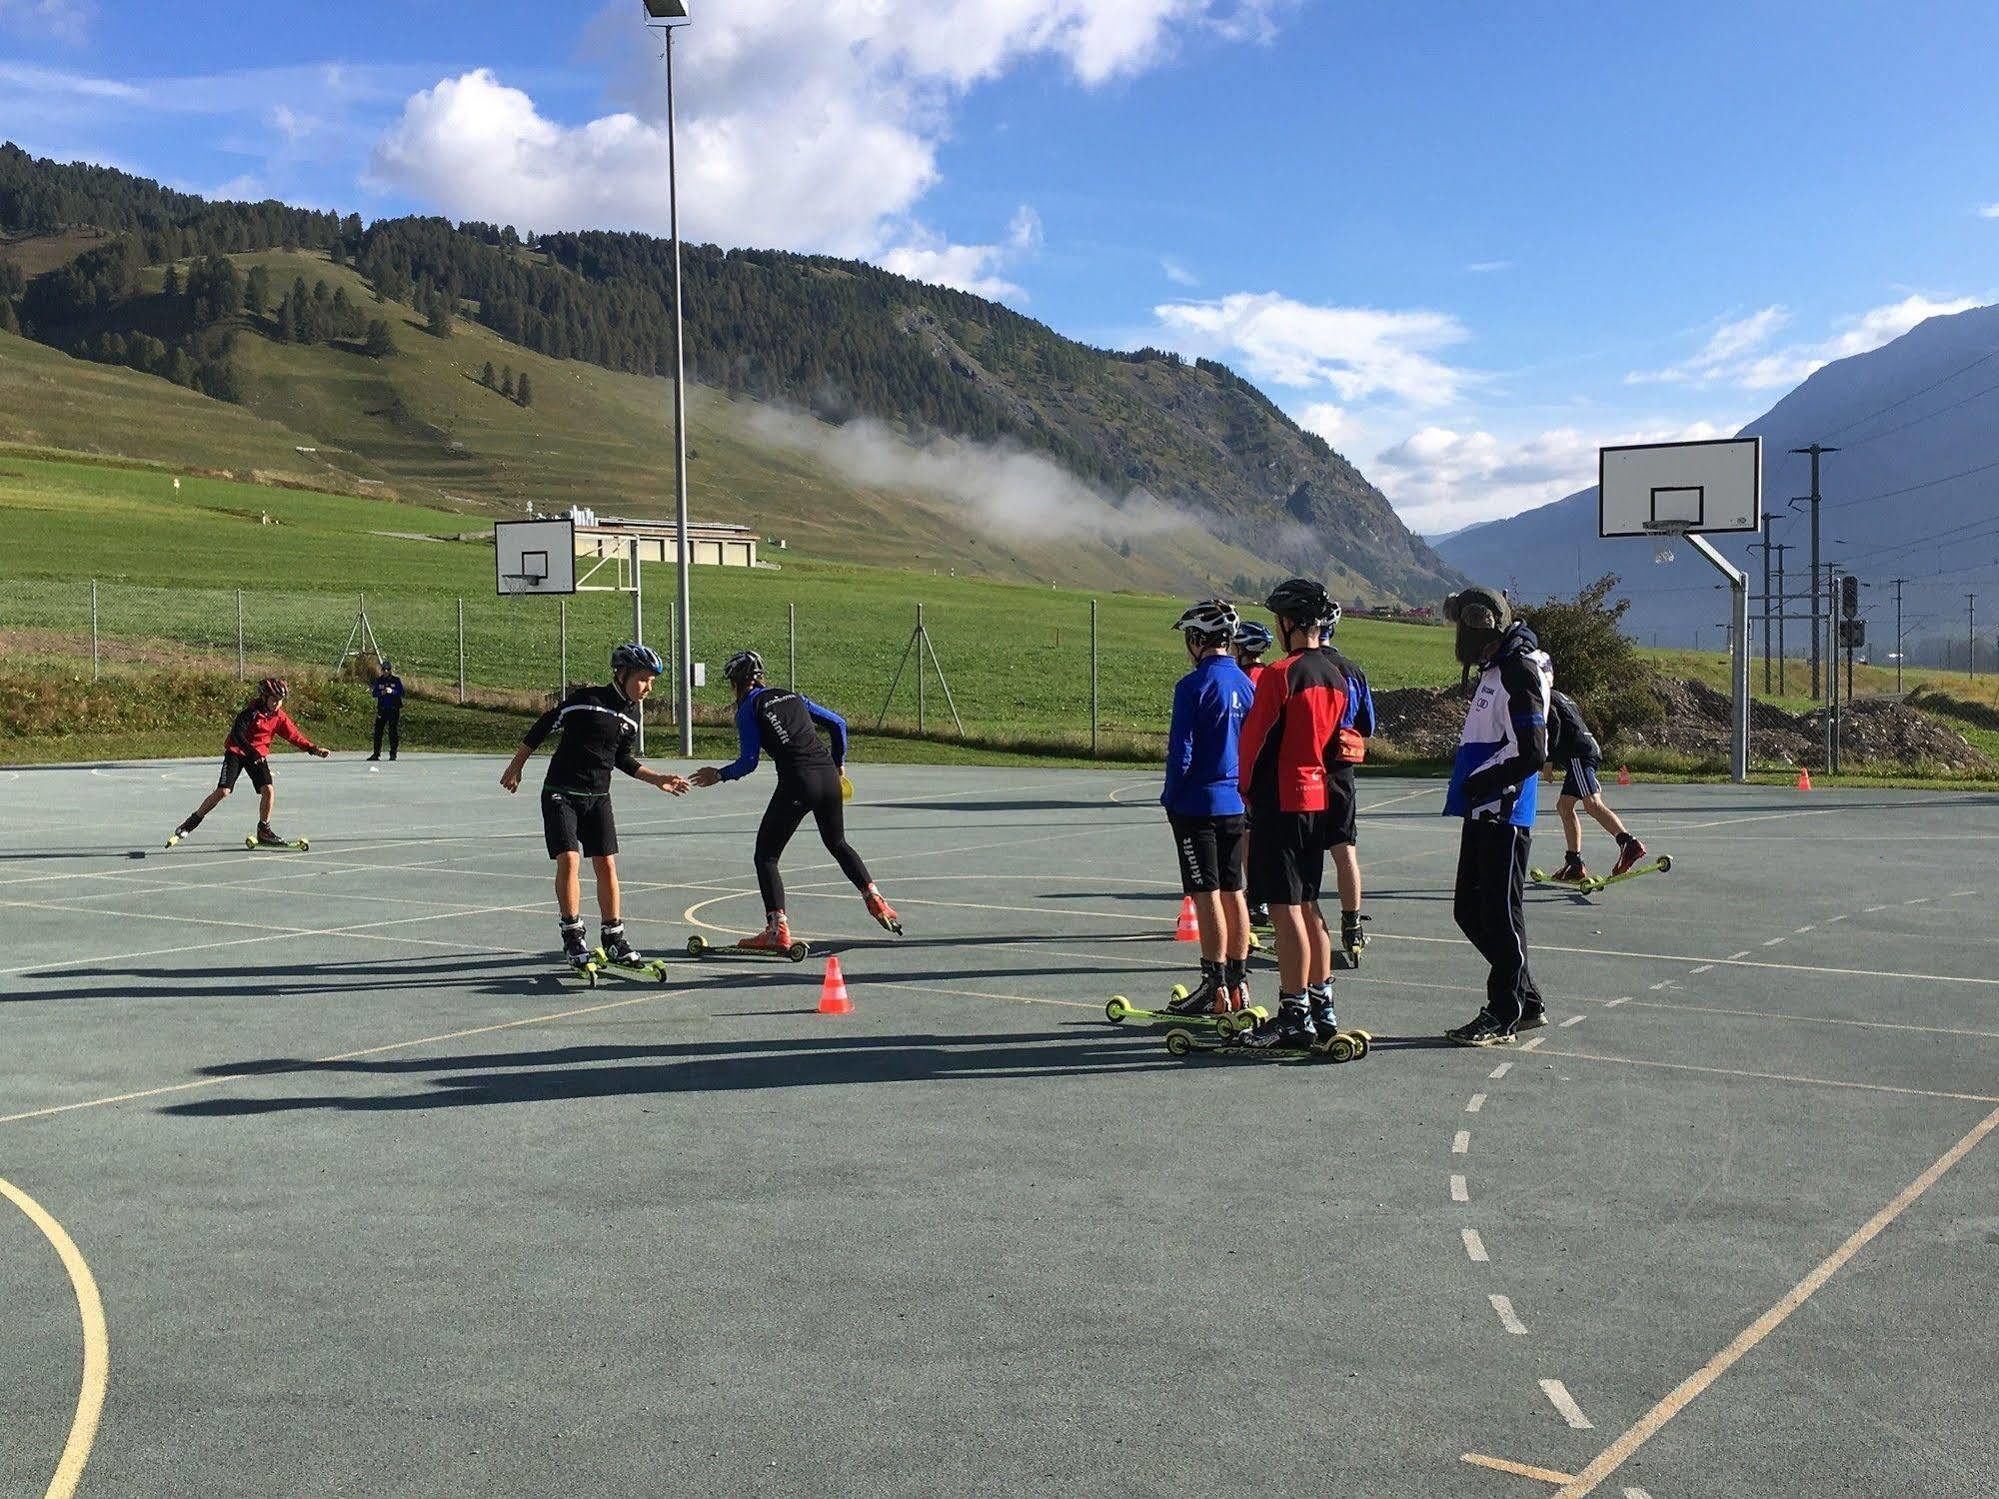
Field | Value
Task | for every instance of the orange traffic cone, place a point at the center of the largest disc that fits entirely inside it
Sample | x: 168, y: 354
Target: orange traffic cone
x: 1624, y: 775
x: 1804, y: 779
x: 1189, y: 929
x: 833, y: 998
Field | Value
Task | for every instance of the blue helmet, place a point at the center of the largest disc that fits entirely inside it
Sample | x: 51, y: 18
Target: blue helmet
x: 635, y: 657
x: 1253, y: 638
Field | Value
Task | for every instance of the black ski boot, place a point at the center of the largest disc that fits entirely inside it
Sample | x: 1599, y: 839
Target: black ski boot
x: 1206, y: 997
x: 573, y: 946
x: 1291, y: 1028
x: 267, y: 837
x: 618, y: 947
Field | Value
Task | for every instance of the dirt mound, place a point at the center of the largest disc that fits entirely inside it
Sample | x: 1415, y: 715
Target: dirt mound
x: 1879, y: 733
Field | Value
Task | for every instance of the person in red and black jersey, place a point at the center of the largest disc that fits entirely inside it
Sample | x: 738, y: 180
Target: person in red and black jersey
x: 246, y: 751
x: 1287, y: 741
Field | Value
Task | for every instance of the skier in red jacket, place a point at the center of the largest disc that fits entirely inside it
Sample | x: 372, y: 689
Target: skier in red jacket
x: 246, y: 750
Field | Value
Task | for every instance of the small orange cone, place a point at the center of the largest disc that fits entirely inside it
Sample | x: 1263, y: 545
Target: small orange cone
x: 833, y: 998
x: 1804, y: 779
x: 1624, y: 775
x: 1189, y: 929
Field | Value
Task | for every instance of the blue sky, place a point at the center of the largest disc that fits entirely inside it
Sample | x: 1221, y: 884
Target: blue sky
x: 1466, y: 241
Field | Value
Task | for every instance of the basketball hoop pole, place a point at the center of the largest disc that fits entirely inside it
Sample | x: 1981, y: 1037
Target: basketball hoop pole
x: 1738, y: 657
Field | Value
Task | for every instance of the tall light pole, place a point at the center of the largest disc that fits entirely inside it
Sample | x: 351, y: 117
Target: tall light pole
x: 1815, y: 450
x: 667, y: 17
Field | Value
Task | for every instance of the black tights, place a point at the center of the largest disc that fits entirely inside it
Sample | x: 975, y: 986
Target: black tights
x: 816, y: 795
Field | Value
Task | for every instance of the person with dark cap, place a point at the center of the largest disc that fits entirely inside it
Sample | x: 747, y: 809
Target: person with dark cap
x: 388, y: 691
x: 1494, y: 783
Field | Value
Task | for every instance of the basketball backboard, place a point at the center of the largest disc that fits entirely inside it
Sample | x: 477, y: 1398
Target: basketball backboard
x: 1645, y: 489
x: 535, y: 556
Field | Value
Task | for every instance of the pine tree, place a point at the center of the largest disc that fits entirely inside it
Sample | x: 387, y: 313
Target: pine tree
x: 489, y: 377
x: 524, y: 392
x: 437, y: 321
x: 257, y: 291
x: 172, y: 286
x: 381, y: 343
x: 287, y: 322
x: 507, y: 382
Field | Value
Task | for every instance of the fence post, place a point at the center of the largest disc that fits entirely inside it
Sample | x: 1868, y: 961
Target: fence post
x: 239, y: 636
x: 1093, y: 679
x: 922, y: 635
x: 562, y: 628
x: 461, y: 650
x: 93, y: 629
x: 791, y: 617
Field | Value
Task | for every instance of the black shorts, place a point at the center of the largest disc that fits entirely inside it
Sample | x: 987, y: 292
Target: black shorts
x: 234, y: 764
x: 1210, y: 850
x: 1580, y: 781
x: 1287, y: 858
x: 1341, y: 798
x: 572, y: 822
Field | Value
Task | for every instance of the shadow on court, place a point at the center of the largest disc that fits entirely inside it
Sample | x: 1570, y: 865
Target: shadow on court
x: 587, y: 1072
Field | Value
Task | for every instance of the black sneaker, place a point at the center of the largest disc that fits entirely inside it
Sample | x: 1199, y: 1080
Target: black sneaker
x: 1481, y: 1030
x: 1532, y: 1019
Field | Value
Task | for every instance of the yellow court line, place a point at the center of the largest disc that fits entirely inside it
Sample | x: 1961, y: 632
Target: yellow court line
x: 1519, y: 1470
x: 1774, y: 1077
x: 345, y: 1056
x: 96, y: 1343
x: 1691, y: 1388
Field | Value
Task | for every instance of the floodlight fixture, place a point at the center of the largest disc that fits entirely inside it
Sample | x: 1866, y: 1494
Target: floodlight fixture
x: 666, y: 12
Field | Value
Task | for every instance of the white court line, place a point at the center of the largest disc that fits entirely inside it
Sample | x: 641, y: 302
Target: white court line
x: 1705, y: 968
x: 1572, y: 1020
x: 1474, y: 1246
x: 1775, y: 941
x: 1559, y: 1396
x: 1829, y: 921
x: 1531, y: 1045
x: 1953, y: 895
x: 1459, y: 1192
x: 1461, y: 1142
x: 1917, y: 901
x: 1870, y: 910
x: 1500, y: 1071
x: 1633, y: 1492
x: 1734, y: 955
x: 1476, y: 1103
x: 1679, y: 957
x: 1507, y: 1319
x: 1622, y: 999
x: 1662, y: 984
x: 1799, y: 932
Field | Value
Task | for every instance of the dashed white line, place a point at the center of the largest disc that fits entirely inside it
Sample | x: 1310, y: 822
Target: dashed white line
x: 1662, y: 984
x: 1631, y: 1492
x: 1831, y: 919
x: 1870, y: 910
x: 1803, y: 929
x: 1559, y: 1396
x: 1622, y: 999
x: 1956, y: 893
x: 1500, y: 1071
x: 1530, y: 1045
x: 1507, y: 1319
x: 1474, y: 1246
x: 1917, y: 900
x: 1461, y: 1143
x: 1477, y: 1102
x: 1459, y: 1191
x: 1775, y: 940
x: 1573, y: 1020
x: 1734, y: 955
x: 1705, y: 968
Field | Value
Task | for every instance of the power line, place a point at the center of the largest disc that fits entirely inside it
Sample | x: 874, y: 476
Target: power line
x: 1889, y: 494
x: 1919, y: 420
x: 1904, y: 400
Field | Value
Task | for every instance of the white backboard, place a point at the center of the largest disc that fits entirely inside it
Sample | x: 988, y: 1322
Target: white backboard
x: 535, y: 556
x: 1705, y: 487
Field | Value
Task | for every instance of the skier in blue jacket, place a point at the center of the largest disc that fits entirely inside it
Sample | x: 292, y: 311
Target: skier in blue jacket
x: 1204, y: 803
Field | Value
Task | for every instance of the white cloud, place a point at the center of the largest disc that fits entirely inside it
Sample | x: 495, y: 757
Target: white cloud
x: 1334, y: 423
x: 1440, y: 480
x: 1356, y: 352
x: 1989, y: 211
x: 1737, y: 353
x: 1487, y: 267
x: 925, y: 256
x: 62, y: 20
x: 812, y: 128
x: 289, y: 123
x: 1177, y: 272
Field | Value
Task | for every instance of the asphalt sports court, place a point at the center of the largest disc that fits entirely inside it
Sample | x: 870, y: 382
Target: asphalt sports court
x: 321, y: 1181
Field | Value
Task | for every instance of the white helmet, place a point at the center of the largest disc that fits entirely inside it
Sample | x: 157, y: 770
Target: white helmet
x: 1212, y: 620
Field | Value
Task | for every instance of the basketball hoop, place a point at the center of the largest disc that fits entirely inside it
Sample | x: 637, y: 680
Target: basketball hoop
x: 1662, y: 533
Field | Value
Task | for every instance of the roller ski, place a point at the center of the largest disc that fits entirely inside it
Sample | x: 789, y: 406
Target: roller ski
x: 618, y: 956
x: 1590, y: 885
x: 269, y: 840
x: 882, y: 911
x: 580, y: 964
x: 773, y: 944
x: 1353, y: 938
x: 1292, y: 1035
x: 1573, y: 873
x: 1210, y: 1005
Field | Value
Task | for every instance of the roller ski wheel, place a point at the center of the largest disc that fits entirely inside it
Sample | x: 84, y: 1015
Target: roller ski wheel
x: 1180, y: 1043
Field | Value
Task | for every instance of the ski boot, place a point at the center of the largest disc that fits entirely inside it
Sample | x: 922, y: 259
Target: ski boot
x: 1291, y: 1029
x: 617, y: 955
x: 574, y: 950
x: 1208, y: 997
x: 183, y: 830
x: 881, y: 910
x: 774, y: 938
x: 1572, y: 871
x: 1629, y: 852
x: 1481, y: 1030
x: 1259, y: 917
x: 267, y: 837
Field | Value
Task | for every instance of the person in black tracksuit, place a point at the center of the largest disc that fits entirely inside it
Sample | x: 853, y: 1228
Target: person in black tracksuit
x: 388, y: 690
x: 599, y: 726
x: 811, y: 781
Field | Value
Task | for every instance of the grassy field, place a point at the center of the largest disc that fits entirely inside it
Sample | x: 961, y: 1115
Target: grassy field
x: 168, y: 563
x: 1711, y: 667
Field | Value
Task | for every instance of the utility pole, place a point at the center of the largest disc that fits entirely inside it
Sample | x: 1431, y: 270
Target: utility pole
x: 1829, y: 595
x: 1764, y: 547
x: 1970, y: 634
x: 1815, y: 450
x: 1783, y: 607
x: 1898, y: 634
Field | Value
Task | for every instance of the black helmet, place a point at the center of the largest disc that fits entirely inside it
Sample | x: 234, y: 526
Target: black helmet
x: 1300, y: 600
x: 743, y: 668
x: 1253, y: 638
x: 1482, y: 615
x: 276, y: 689
x: 635, y: 657
x: 1212, y: 621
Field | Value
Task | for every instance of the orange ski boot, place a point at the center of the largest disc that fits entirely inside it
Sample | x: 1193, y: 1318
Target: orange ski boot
x: 882, y: 911
x: 775, y: 937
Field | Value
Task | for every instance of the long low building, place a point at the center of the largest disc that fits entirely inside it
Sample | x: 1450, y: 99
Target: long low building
x: 659, y: 541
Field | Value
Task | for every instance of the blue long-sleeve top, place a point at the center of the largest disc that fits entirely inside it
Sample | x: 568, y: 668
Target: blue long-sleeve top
x: 1209, y: 705
x: 792, y: 729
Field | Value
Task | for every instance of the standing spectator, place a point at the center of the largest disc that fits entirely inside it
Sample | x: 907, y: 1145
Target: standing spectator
x: 388, y: 690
